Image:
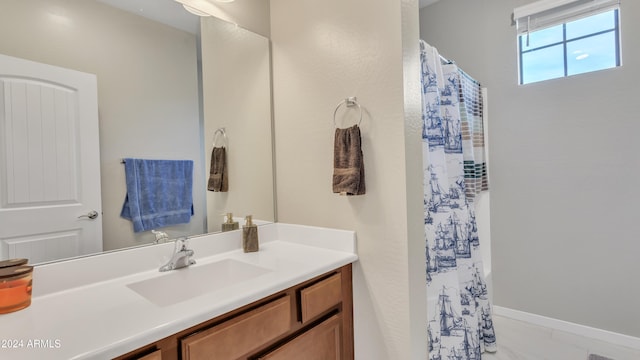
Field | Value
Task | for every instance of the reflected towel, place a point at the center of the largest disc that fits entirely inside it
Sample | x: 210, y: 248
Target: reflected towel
x: 159, y: 193
x: 476, y: 178
x: 218, y: 173
x: 348, y: 164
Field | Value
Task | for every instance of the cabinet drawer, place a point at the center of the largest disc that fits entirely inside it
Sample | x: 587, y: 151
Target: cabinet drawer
x: 242, y: 334
x: 319, y: 297
x: 156, y: 355
x: 322, y: 342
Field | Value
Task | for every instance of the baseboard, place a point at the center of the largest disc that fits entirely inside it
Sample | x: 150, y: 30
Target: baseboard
x: 577, y: 329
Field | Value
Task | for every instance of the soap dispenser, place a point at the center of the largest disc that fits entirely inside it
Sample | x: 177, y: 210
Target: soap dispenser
x: 249, y: 236
x: 230, y: 224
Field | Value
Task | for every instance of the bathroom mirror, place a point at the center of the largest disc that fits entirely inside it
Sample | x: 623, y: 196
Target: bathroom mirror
x: 160, y: 96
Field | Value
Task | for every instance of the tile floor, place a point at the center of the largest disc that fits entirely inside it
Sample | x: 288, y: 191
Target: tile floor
x: 518, y: 340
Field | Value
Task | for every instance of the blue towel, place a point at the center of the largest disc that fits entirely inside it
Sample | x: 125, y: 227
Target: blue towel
x: 159, y: 193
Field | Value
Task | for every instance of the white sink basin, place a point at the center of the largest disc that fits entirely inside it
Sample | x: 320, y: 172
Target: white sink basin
x: 183, y: 284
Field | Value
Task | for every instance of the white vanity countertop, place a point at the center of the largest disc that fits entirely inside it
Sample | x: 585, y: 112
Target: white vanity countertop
x: 91, y: 313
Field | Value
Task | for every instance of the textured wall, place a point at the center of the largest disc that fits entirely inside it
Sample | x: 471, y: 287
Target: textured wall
x: 565, y: 169
x: 323, y: 52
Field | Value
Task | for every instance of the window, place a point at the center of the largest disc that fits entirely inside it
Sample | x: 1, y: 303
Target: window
x: 567, y: 45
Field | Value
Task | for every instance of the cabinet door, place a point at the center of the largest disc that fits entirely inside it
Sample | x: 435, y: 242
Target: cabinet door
x: 320, y: 297
x: 240, y: 335
x: 322, y: 342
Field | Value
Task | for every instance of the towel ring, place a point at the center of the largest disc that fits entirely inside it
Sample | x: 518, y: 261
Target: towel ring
x: 350, y: 101
x: 224, y: 135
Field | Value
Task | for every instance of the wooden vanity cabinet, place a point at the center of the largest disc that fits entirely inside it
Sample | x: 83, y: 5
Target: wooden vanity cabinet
x: 321, y: 342
x: 244, y: 333
x: 156, y: 355
x: 312, y: 321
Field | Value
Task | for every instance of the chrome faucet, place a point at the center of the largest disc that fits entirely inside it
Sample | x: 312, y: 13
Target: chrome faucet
x: 161, y: 236
x: 181, y: 256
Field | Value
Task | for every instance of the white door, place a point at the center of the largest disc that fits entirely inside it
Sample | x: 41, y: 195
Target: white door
x: 49, y: 162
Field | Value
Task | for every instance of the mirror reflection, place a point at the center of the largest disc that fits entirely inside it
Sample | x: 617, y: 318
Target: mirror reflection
x: 153, y: 102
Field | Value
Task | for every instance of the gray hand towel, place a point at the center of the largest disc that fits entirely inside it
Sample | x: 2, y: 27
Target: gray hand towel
x: 218, y: 173
x: 348, y: 164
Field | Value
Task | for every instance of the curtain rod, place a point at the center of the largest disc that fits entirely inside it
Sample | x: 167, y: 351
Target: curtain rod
x: 444, y: 59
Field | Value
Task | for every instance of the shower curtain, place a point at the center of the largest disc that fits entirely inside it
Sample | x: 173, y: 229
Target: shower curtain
x: 460, y: 318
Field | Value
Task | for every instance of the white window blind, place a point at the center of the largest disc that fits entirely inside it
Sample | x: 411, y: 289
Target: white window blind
x: 546, y: 13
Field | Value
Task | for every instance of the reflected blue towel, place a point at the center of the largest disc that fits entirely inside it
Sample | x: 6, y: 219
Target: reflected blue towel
x: 159, y: 193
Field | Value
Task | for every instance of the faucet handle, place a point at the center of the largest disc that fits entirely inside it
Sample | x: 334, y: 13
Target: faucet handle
x: 160, y: 236
x: 181, y: 256
x: 181, y: 243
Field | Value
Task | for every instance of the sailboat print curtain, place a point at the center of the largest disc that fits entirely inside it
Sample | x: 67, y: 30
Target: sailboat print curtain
x: 460, y: 319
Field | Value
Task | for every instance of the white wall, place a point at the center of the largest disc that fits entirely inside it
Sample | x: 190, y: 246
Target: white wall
x: 323, y: 52
x: 147, y: 90
x: 564, y: 170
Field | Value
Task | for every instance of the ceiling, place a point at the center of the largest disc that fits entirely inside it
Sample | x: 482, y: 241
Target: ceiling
x: 172, y: 13
x: 165, y: 11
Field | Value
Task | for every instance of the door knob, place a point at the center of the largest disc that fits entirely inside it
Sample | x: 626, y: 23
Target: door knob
x: 91, y: 215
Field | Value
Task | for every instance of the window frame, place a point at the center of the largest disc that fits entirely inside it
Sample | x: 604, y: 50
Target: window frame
x: 564, y: 42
